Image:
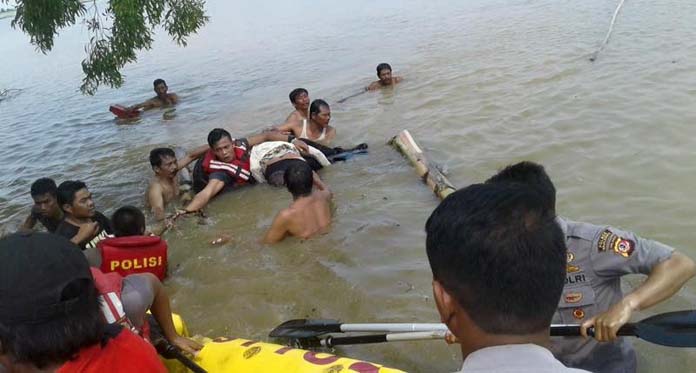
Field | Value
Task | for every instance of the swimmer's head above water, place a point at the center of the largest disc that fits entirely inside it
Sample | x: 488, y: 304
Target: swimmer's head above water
x: 220, y: 141
x: 160, y: 88
x: 320, y: 112
x: 43, y: 192
x: 384, y: 73
x: 299, y: 97
x: 75, y: 199
x: 163, y: 162
x: 299, y: 179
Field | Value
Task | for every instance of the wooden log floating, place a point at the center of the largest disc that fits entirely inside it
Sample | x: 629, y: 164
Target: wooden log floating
x: 427, y: 171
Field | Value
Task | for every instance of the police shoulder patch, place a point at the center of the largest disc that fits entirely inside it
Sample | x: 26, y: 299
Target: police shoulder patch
x: 624, y: 247
x: 607, y: 240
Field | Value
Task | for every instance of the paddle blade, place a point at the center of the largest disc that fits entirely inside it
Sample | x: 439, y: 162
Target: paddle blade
x: 304, y: 328
x: 674, y: 329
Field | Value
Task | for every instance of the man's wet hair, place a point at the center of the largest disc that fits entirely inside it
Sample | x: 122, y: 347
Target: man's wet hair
x: 67, y: 190
x: 58, y: 340
x: 315, y: 107
x: 529, y: 173
x: 383, y: 66
x: 296, y: 92
x: 158, y: 82
x: 157, y: 154
x: 128, y: 221
x: 299, y: 179
x: 43, y: 186
x: 216, y: 135
x: 499, y: 253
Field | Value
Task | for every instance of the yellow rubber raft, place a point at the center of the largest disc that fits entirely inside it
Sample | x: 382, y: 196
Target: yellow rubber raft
x: 246, y: 356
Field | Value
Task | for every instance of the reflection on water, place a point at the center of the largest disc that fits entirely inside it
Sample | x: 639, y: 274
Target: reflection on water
x: 487, y: 83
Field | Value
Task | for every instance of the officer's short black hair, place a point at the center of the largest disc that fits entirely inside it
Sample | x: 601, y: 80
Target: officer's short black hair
x: 216, y: 135
x: 383, y: 66
x: 128, y: 221
x: 299, y: 179
x: 296, y: 92
x: 532, y: 174
x: 43, y: 186
x: 158, y: 82
x: 500, y: 254
x: 157, y: 154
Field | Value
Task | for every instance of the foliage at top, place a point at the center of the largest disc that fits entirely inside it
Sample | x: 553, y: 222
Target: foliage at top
x: 118, y: 31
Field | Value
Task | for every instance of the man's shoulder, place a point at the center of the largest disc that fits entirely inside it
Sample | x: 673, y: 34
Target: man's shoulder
x: 374, y: 85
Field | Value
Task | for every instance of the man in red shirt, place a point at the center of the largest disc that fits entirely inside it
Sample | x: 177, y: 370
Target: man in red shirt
x: 50, y: 318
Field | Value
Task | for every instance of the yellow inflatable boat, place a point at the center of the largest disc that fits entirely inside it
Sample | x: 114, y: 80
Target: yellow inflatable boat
x: 246, y: 356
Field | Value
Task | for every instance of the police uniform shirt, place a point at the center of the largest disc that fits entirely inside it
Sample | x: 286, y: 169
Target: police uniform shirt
x: 597, y: 258
x: 529, y: 358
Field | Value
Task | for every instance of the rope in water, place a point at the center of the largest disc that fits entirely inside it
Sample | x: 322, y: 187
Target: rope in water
x: 611, y: 28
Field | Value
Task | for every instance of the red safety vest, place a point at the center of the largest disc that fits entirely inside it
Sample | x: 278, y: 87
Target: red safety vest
x: 134, y: 254
x: 110, y: 286
x: 239, y: 168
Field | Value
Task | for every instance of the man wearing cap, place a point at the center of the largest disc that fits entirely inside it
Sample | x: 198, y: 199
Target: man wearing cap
x: 50, y: 318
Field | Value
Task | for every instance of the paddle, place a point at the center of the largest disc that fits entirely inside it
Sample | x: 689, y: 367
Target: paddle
x: 168, y: 350
x: 331, y: 341
x: 674, y: 329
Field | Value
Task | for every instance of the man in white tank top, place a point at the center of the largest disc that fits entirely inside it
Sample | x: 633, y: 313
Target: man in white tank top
x: 316, y: 129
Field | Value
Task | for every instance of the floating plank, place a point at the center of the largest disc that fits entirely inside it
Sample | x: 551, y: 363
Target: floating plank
x: 430, y: 174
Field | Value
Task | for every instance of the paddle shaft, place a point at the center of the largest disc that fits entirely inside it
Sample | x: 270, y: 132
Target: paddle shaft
x: 557, y: 330
x: 331, y: 341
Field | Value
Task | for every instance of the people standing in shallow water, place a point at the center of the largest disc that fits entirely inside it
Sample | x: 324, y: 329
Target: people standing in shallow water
x: 310, y: 212
x: 164, y: 187
x: 317, y: 128
x: 384, y: 73
x: 498, y: 260
x: 46, y: 209
x: 162, y: 98
x: 83, y: 224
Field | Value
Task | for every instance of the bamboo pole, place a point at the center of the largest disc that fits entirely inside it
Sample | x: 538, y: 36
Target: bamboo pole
x: 430, y: 175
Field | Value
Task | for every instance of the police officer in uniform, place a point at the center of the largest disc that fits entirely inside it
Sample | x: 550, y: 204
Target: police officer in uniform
x: 597, y: 258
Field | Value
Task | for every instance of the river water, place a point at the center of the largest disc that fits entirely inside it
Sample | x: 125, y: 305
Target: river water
x: 487, y: 83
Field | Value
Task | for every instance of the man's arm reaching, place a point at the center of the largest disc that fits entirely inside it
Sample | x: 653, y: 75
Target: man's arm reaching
x: 266, y: 136
x: 204, y: 196
x: 191, y: 156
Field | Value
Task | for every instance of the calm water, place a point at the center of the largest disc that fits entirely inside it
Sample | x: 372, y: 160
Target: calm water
x: 487, y: 83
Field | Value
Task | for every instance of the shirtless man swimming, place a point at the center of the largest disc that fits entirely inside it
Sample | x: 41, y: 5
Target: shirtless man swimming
x: 316, y: 129
x: 299, y: 98
x: 164, y: 187
x: 309, y: 214
x: 384, y: 73
x: 162, y: 99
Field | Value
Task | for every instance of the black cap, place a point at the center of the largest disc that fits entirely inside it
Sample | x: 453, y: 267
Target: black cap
x: 34, y: 270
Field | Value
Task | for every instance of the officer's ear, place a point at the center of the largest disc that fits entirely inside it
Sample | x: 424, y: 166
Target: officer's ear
x: 444, y: 301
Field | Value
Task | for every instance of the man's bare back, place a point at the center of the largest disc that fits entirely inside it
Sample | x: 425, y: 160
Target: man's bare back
x: 309, y: 214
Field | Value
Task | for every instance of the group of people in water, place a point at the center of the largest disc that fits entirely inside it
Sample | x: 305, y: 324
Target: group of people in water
x: 505, y: 265
x: 95, y: 277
